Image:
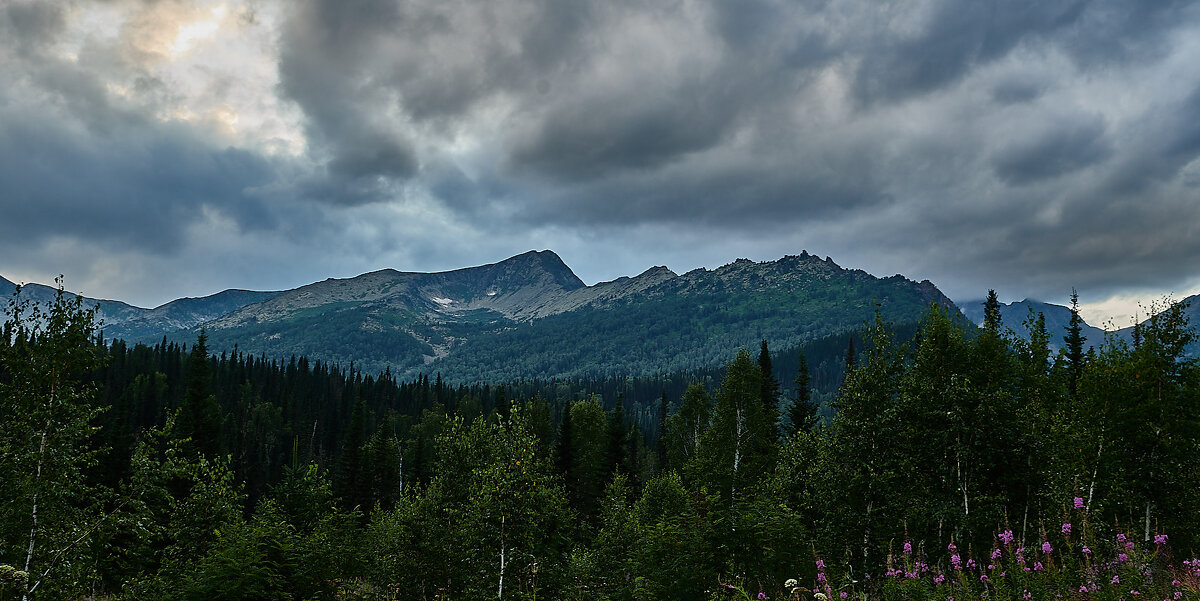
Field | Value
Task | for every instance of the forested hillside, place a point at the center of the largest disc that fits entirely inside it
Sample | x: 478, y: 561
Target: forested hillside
x: 956, y: 463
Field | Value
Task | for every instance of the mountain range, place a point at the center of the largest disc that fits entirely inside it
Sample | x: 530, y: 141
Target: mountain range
x: 530, y: 316
x: 1058, y: 317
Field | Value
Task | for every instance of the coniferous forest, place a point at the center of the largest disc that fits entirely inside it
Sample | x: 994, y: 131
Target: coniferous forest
x: 941, y: 461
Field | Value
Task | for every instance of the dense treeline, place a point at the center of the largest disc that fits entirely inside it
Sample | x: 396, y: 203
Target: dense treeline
x: 169, y: 473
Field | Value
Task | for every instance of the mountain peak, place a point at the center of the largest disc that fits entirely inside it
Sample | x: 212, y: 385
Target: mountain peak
x: 546, y: 261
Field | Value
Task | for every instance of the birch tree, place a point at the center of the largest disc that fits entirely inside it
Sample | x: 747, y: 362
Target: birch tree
x: 48, y: 510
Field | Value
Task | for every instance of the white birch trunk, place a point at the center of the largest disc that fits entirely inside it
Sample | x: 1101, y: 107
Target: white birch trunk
x: 500, y: 592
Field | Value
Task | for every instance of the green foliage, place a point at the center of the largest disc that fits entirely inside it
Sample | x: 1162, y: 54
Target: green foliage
x: 739, y: 445
x: 940, y: 440
x: 49, y: 510
x: 684, y: 429
x: 200, y: 417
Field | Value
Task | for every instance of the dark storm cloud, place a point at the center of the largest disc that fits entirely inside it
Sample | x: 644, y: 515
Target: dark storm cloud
x: 138, y: 189
x: 959, y: 37
x: 1068, y: 147
x: 950, y: 132
x: 1031, y: 142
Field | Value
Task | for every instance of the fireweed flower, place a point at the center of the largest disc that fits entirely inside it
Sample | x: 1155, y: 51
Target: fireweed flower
x: 1066, y: 529
x: 996, y: 553
x: 939, y: 579
x: 1079, y: 503
x: 1121, y: 537
x: 1160, y: 539
x: 820, y: 564
x: 843, y: 595
x: 1087, y: 551
x: 970, y: 564
x: 1082, y: 588
x: 761, y: 595
x: 908, y: 547
x: 1116, y: 579
x: 1037, y: 566
x: 1006, y: 537
x: 1122, y: 558
x: 957, y: 561
x: 1046, y: 548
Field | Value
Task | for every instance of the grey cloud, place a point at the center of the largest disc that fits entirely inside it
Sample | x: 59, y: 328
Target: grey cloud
x: 1071, y: 145
x: 1016, y: 91
x: 139, y: 188
x: 618, y: 133
x: 33, y: 24
x: 1168, y: 139
x: 959, y: 37
x: 935, y: 141
x: 1114, y: 31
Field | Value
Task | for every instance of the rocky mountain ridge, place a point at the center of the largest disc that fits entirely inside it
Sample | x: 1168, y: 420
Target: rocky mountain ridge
x: 531, y: 316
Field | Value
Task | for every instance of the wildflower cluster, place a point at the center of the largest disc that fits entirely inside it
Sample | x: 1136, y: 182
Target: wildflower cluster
x: 1059, y: 564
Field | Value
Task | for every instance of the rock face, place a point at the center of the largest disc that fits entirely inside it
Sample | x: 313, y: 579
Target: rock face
x: 530, y: 316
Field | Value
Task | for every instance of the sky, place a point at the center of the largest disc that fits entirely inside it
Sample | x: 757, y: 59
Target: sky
x: 155, y: 149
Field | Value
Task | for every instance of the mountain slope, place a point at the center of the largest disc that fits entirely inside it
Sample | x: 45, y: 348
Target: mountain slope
x: 124, y: 321
x: 1014, y: 314
x: 530, y: 316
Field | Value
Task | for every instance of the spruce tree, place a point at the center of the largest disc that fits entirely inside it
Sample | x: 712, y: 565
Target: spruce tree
x: 350, y: 484
x: 991, y: 313
x: 661, y: 448
x: 618, y: 460
x: 803, y: 412
x: 770, y: 386
x: 200, y: 415
x: 563, y: 452
x: 1074, y: 340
